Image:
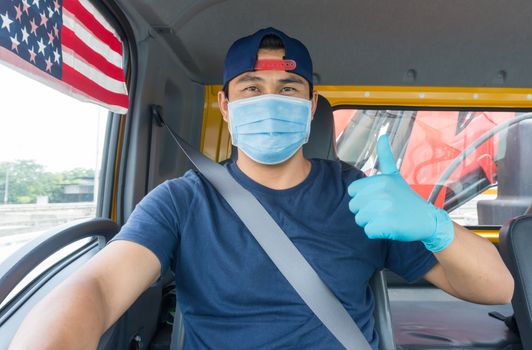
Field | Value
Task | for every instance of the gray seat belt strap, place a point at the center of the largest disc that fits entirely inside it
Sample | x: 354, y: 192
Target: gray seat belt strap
x: 279, y: 248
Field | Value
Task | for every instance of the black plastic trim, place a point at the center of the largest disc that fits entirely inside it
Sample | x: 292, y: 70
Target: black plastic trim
x: 18, y: 265
x: 112, y: 12
x: 130, y: 59
x: 107, y: 175
x: 27, y: 292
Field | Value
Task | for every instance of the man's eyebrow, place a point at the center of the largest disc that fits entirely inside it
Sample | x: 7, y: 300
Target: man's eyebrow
x: 292, y: 80
x: 248, y: 78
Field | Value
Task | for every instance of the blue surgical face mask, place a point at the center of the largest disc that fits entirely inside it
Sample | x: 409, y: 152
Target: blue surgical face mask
x: 270, y: 128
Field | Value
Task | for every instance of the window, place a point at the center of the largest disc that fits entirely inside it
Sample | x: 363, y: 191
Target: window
x: 50, y: 154
x: 474, y: 164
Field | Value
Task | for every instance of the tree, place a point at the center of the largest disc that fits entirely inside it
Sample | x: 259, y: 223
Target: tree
x: 76, y: 174
x: 26, y: 180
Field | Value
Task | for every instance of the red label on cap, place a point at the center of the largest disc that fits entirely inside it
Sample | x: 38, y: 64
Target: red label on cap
x: 275, y: 65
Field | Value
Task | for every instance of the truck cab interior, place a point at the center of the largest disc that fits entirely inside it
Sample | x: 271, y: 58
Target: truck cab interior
x: 450, y: 81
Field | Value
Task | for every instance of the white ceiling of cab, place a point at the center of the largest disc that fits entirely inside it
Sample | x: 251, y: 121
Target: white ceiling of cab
x: 446, y: 42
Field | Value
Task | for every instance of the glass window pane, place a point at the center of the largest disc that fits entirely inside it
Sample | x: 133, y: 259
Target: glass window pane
x: 50, y: 154
x: 472, y: 163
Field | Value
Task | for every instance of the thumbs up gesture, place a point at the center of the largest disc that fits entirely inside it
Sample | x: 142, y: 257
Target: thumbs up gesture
x: 387, y: 208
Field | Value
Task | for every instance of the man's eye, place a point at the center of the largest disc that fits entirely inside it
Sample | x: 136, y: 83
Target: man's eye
x: 288, y: 89
x: 251, y: 89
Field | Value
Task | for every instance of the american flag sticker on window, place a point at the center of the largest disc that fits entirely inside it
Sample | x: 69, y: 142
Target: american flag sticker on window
x: 67, y: 45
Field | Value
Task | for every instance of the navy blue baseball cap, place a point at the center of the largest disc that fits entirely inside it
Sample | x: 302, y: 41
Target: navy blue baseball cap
x: 242, y: 56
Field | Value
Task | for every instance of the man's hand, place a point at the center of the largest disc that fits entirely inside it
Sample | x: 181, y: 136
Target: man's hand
x: 386, y: 207
x: 469, y: 266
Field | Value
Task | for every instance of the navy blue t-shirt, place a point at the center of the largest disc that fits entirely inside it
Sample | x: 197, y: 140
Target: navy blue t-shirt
x: 230, y: 293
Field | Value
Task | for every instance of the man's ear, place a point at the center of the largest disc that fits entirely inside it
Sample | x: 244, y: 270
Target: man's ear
x: 222, y: 104
x: 314, y: 103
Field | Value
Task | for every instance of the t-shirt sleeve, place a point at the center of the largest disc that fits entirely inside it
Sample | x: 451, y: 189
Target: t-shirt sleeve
x: 154, y: 223
x: 411, y: 260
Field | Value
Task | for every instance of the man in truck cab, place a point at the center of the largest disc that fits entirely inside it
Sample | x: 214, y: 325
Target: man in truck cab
x: 232, y: 296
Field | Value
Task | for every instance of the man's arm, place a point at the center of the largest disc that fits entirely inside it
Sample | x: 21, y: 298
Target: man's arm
x: 387, y: 208
x: 83, y: 307
x: 471, y: 268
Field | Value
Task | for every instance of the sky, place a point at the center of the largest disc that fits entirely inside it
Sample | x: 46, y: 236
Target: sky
x: 39, y: 123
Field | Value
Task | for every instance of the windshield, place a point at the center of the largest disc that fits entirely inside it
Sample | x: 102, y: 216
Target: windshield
x: 471, y: 163
x: 50, y: 153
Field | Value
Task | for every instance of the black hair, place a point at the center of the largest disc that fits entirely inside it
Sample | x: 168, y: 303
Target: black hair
x: 268, y: 42
x: 271, y: 42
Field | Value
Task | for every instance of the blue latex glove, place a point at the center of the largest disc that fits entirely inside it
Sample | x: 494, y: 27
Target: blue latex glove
x: 386, y: 207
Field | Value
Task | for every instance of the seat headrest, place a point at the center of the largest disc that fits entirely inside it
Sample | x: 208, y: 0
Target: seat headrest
x: 322, y: 139
x: 515, y: 244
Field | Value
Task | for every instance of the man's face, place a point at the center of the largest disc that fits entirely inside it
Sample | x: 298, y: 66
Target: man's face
x: 257, y: 83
